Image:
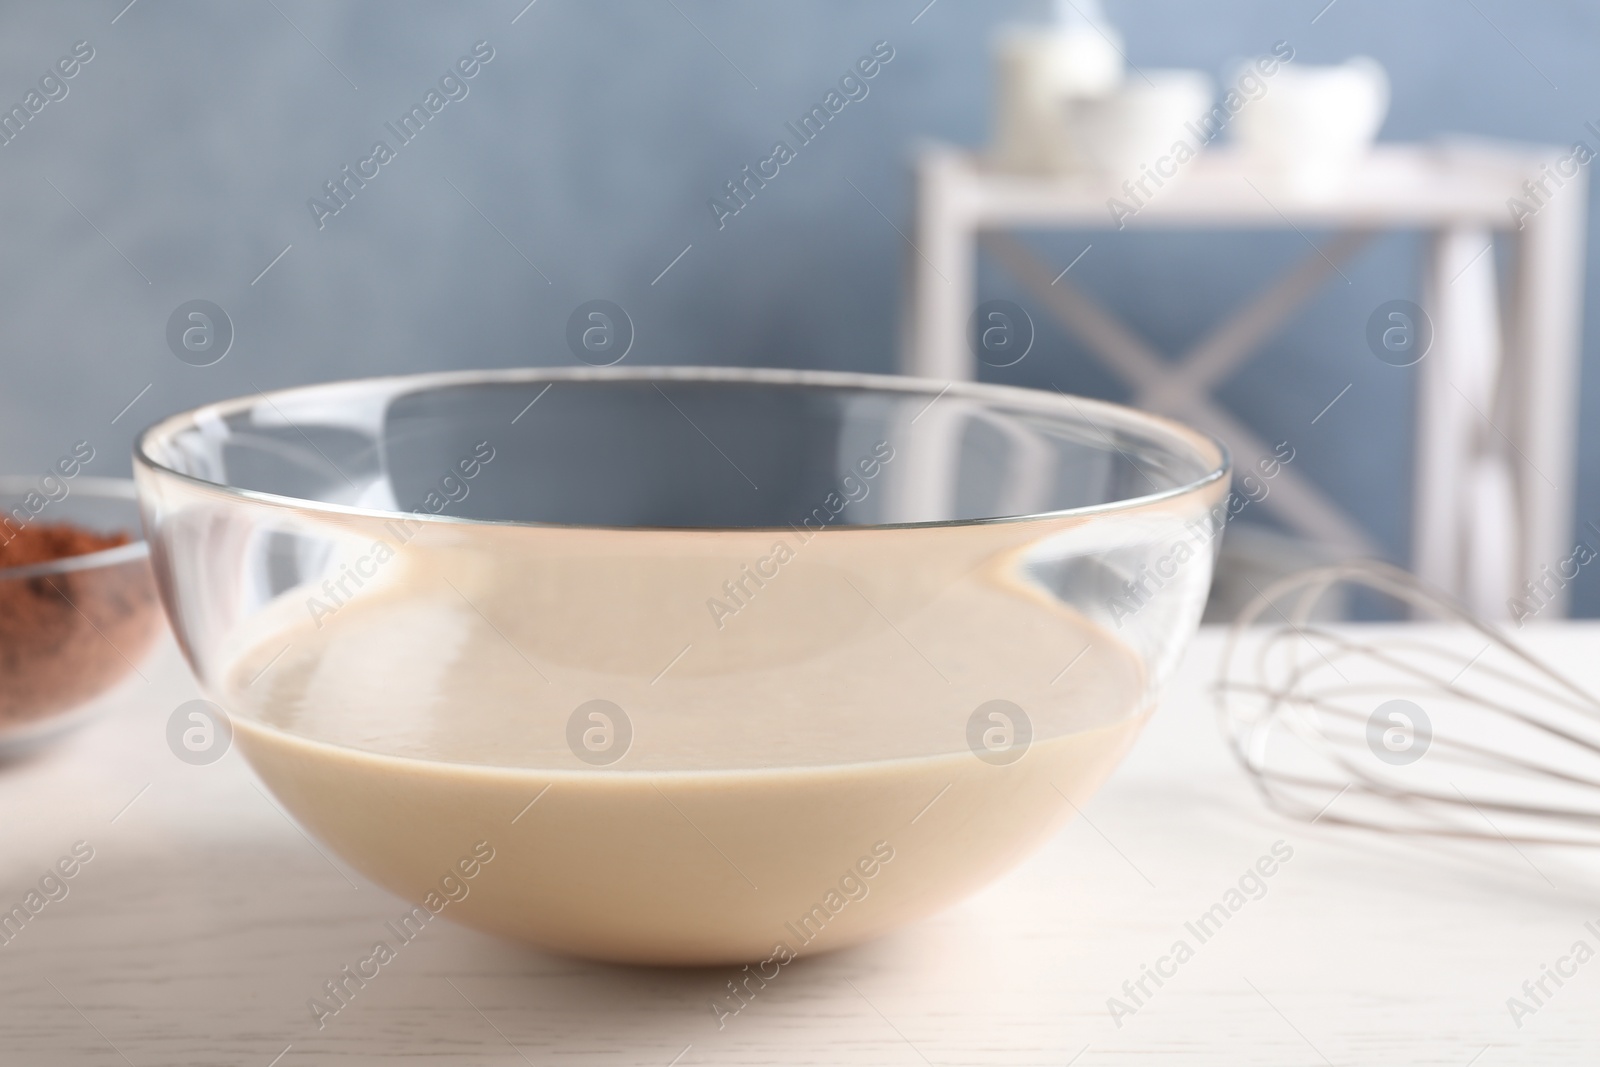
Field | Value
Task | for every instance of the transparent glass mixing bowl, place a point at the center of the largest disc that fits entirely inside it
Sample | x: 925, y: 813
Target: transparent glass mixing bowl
x: 680, y: 665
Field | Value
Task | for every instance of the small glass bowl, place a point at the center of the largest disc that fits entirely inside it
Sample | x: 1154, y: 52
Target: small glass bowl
x: 681, y: 665
x: 70, y: 628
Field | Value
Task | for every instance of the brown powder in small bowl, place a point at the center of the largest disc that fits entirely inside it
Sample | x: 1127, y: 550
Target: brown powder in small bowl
x: 67, y: 637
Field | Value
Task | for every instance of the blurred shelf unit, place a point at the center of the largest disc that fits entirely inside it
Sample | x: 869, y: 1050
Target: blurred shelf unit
x: 1496, y: 422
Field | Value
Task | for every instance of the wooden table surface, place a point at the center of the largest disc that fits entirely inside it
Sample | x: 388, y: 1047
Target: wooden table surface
x: 206, y: 919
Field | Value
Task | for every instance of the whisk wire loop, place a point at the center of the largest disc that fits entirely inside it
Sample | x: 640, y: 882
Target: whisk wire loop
x: 1517, y: 740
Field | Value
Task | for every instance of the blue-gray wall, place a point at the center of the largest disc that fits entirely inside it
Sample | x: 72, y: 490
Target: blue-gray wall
x: 184, y: 152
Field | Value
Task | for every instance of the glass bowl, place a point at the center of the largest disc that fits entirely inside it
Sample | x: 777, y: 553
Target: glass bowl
x: 680, y: 666
x: 74, y: 627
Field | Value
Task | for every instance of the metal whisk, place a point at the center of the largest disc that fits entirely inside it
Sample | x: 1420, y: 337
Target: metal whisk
x: 1393, y: 730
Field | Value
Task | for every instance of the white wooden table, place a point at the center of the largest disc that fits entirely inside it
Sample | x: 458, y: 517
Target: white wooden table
x: 205, y: 920
x: 1496, y: 440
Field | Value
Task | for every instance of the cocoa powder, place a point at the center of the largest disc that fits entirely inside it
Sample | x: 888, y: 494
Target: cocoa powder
x: 67, y: 637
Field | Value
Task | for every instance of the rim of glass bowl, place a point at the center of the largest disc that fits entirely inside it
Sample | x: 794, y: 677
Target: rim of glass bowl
x: 87, y: 485
x: 1068, y: 408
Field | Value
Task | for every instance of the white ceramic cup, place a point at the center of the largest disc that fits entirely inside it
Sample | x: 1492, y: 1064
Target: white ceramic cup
x: 1120, y: 133
x: 1314, y: 124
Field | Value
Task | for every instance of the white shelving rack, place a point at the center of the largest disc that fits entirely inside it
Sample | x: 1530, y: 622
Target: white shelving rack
x: 1496, y: 422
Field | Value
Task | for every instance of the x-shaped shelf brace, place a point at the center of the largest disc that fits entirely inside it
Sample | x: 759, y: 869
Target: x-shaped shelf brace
x: 1180, y: 388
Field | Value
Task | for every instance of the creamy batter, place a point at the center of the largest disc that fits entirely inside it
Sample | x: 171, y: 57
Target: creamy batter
x: 798, y: 776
